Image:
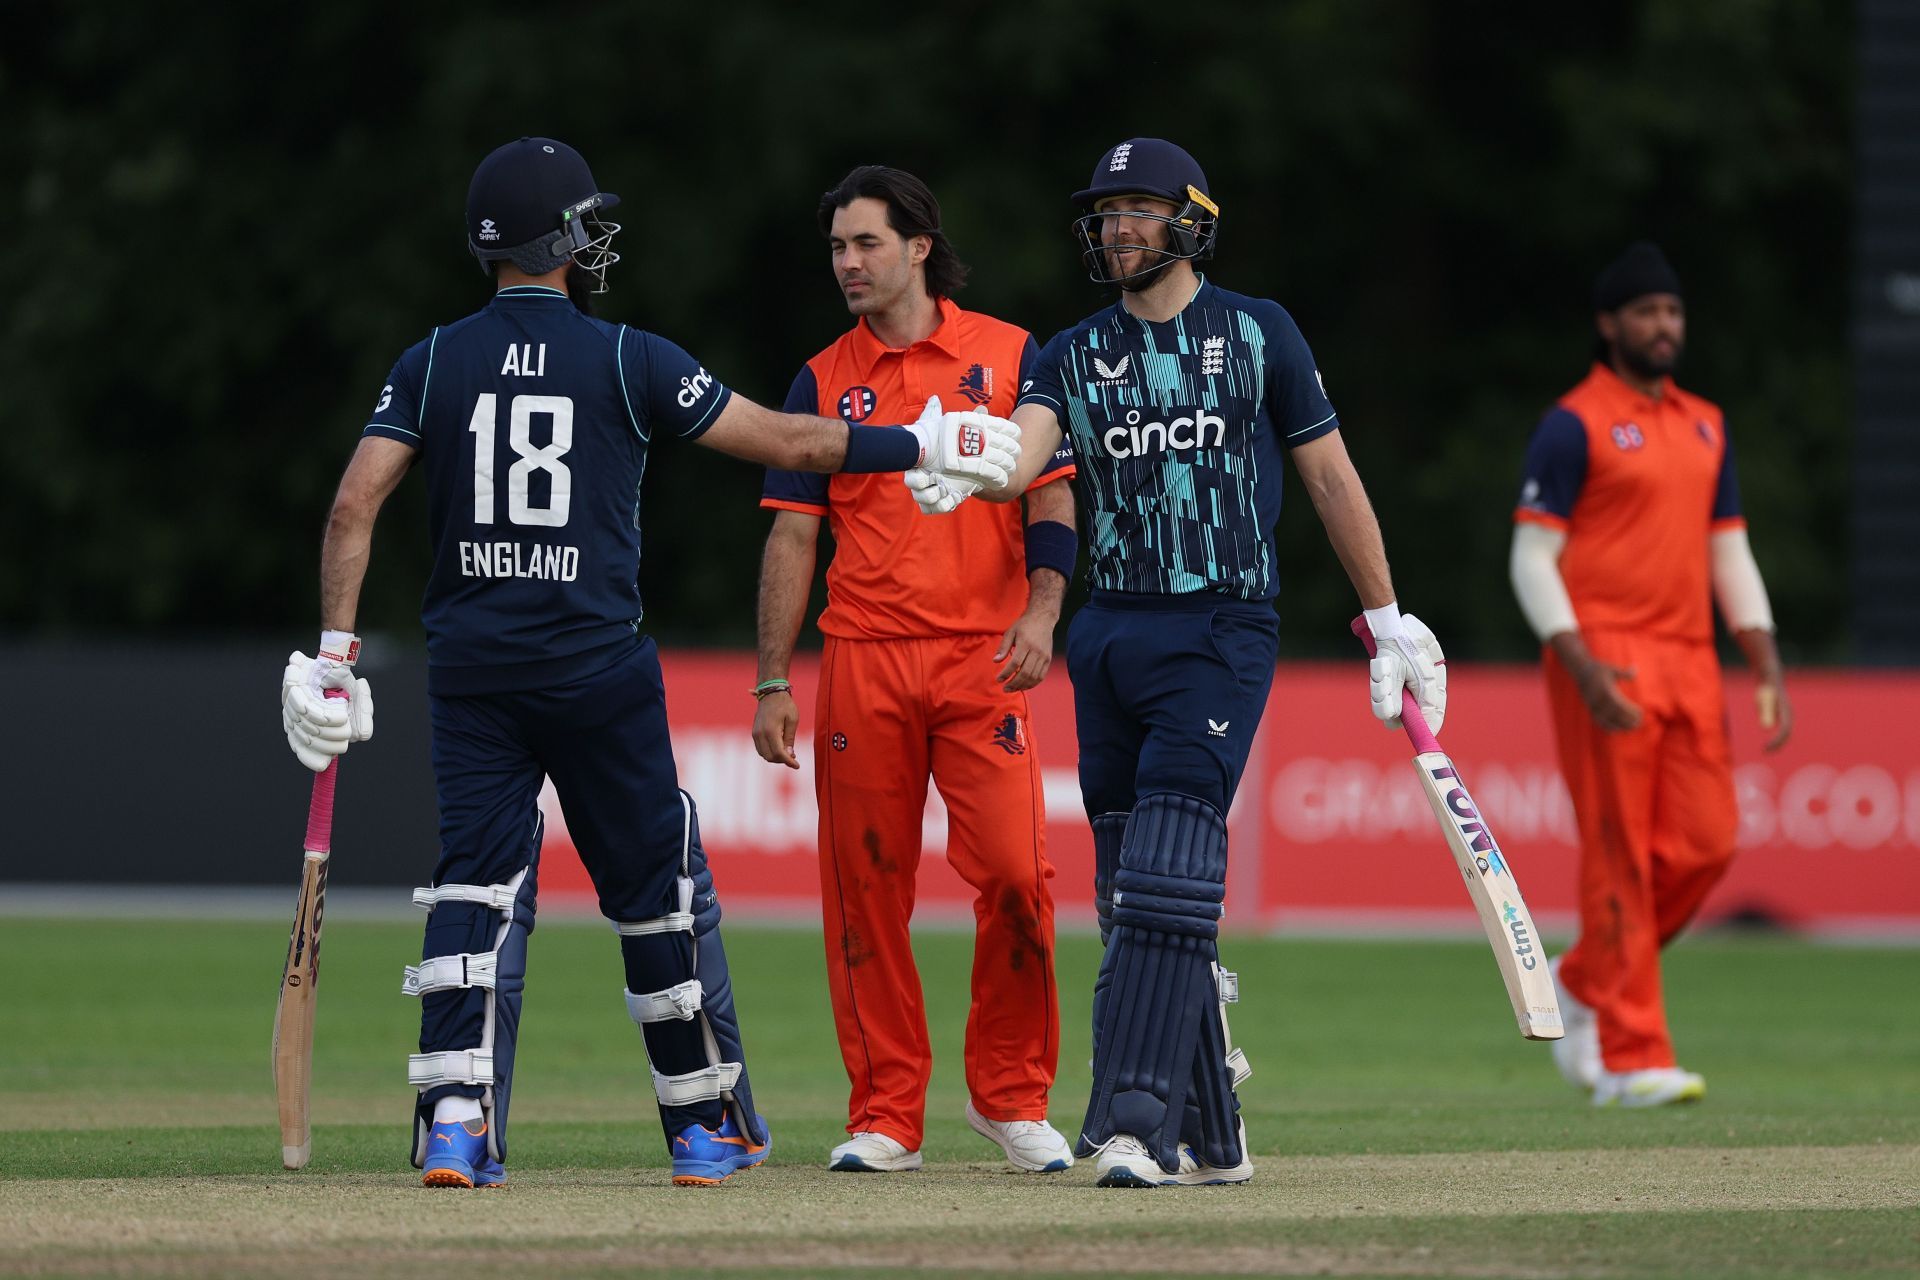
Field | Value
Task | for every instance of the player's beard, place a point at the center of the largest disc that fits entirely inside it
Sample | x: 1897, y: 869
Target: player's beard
x: 1644, y: 364
x: 580, y: 287
x: 1150, y: 264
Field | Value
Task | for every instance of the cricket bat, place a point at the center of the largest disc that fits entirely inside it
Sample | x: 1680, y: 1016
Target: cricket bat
x: 1496, y: 894
x: 300, y: 980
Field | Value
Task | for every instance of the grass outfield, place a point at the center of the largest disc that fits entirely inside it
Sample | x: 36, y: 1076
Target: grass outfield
x: 1400, y: 1124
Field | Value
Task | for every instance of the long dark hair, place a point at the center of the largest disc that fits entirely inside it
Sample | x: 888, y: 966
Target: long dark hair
x: 911, y: 211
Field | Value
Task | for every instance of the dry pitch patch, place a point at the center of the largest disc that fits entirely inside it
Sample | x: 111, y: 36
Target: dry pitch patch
x: 952, y: 1217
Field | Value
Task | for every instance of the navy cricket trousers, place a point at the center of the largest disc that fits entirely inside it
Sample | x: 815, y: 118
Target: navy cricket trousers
x: 601, y: 736
x: 1168, y: 692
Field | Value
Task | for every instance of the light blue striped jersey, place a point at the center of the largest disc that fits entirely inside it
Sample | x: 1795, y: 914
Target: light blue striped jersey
x: 1180, y: 428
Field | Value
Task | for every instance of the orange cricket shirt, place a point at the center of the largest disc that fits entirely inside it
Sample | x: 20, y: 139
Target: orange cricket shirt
x: 897, y: 573
x: 1638, y: 483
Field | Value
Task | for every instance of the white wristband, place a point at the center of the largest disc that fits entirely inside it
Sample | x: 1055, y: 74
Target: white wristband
x: 339, y: 646
x: 1385, y: 622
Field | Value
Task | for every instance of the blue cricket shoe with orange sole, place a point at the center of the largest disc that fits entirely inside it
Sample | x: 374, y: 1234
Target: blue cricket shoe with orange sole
x: 457, y: 1157
x: 704, y: 1157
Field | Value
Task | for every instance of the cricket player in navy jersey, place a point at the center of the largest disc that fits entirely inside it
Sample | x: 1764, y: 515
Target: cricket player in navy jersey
x: 1183, y: 402
x: 533, y: 422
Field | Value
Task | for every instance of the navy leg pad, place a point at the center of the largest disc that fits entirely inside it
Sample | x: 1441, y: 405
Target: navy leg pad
x: 1159, y: 1069
x: 661, y: 960
x: 1108, y: 830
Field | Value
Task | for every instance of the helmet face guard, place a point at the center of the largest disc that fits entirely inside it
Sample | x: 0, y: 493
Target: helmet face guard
x: 1191, y: 230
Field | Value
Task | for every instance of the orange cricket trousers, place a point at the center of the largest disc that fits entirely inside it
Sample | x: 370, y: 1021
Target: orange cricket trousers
x: 889, y: 713
x: 1657, y: 820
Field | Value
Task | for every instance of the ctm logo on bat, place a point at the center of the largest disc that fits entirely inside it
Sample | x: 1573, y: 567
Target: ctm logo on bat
x: 1486, y: 853
x: 1522, y: 939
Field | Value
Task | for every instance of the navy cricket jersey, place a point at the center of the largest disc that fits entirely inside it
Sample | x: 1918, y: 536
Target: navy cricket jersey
x: 1179, y: 430
x: 533, y: 422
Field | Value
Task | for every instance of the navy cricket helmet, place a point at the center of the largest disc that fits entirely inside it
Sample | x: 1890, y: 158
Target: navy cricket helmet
x: 1148, y: 167
x: 534, y: 203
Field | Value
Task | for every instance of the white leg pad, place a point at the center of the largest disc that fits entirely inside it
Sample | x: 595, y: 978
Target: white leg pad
x: 677, y: 1003
x: 455, y: 1066
x: 450, y: 973
x: 705, y: 1085
x: 497, y: 896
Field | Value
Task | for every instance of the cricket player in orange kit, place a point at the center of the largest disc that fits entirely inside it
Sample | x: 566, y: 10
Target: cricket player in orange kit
x: 1629, y: 523
x: 917, y: 681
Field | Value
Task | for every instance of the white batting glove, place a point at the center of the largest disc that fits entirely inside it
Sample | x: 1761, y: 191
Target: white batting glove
x: 1409, y: 658
x: 319, y: 728
x: 935, y: 494
x: 973, y: 447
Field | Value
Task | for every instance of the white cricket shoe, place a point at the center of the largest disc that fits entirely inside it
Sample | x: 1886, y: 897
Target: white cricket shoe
x: 1125, y: 1162
x: 872, y: 1153
x: 1577, y: 1053
x: 1031, y: 1146
x: 1654, y: 1087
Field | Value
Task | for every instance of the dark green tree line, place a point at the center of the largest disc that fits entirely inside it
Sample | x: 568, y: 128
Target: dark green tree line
x: 222, y: 235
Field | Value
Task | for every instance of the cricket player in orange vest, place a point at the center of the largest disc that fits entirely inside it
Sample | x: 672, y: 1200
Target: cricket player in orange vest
x: 917, y: 681
x: 1629, y: 522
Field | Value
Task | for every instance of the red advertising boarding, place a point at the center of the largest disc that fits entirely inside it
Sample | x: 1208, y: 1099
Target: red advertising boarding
x: 1330, y: 830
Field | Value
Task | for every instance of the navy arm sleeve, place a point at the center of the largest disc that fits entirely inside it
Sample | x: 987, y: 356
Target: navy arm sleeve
x: 1726, y: 494
x: 798, y: 490
x: 1556, y: 466
x: 1062, y: 459
x: 1297, y: 401
x: 396, y: 415
x: 1042, y: 379
x: 666, y: 387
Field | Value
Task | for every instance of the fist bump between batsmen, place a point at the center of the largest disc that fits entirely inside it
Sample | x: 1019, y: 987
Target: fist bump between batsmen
x: 936, y: 494
x: 970, y: 451
x: 1411, y: 659
x: 320, y: 728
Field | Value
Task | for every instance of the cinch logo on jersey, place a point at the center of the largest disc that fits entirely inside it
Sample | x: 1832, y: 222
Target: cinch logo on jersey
x: 1134, y: 437
x: 514, y: 560
x: 691, y: 389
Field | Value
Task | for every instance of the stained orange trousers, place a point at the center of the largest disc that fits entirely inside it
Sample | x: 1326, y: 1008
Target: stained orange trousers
x: 1657, y: 820
x: 891, y: 713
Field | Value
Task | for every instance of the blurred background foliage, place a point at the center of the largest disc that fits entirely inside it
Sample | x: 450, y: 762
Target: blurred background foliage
x: 224, y: 232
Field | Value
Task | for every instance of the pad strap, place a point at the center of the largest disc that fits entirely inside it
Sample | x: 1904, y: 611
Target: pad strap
x: 455, y: 1066
x: 705, y: 1085
x: 676, y: 1004
x: 680, y: 921
x: 1227, y: 983
x: 450, y: 973
x: 672, y: 922
x: 498, y: 896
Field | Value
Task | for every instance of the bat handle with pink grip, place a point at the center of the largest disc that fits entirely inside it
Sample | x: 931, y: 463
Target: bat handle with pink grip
x: 320, y: 807
x: 1410, y: 718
